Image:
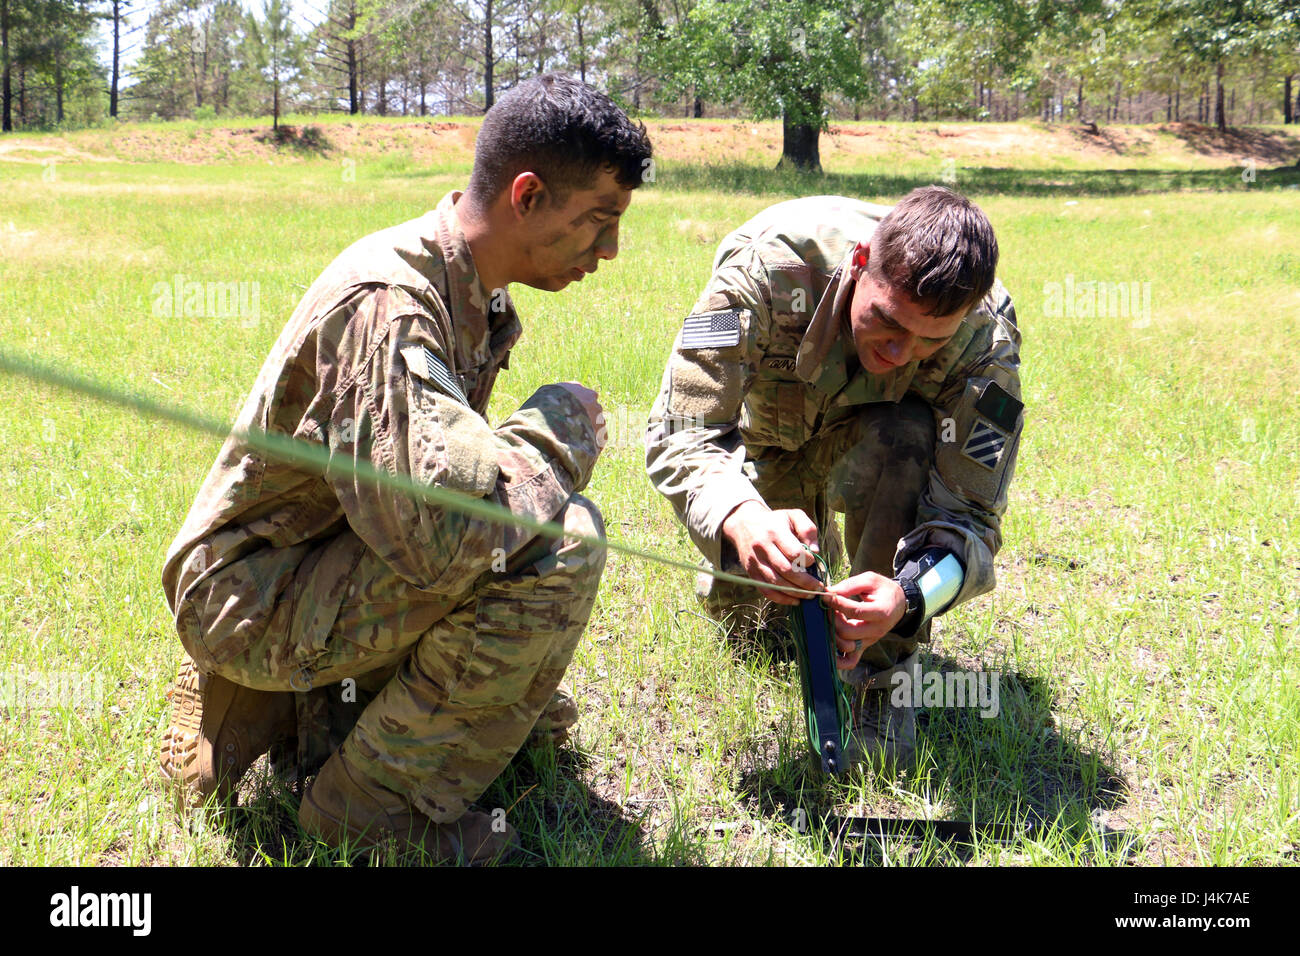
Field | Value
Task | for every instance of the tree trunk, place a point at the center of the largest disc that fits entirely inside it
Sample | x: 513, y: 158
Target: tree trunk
x: 1178, y: 99
x: 1288, y: 116
x: 698, y: 111
x: 487, y: 56
x: 582, y: 50
x: 6, y: 93
x: 800, y: 145
x: 117, y: 57
x: 1220, y: 120
x: 354, y: 99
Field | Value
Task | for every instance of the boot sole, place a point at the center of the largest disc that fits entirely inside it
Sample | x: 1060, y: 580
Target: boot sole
x: 187, y: 758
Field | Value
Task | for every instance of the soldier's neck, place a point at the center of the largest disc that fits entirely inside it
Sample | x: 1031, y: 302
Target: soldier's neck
x: 491, y: 255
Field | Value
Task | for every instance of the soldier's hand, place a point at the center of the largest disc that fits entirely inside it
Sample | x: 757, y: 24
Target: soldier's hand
x: 867, y: 607
x: 590, y: 403
x: 771, y: 547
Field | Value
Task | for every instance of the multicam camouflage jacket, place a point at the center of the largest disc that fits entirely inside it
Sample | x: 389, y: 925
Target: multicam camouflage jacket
x: 389, y: 359
x: 786, y: 374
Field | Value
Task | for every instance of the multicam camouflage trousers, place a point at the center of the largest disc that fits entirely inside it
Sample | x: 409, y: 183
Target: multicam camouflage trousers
x: 429, y: 696
x: 873, y: 469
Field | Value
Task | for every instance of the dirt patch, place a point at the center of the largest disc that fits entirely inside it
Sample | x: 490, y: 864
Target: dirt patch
x: 428, y: 141
x: 1272, y: 147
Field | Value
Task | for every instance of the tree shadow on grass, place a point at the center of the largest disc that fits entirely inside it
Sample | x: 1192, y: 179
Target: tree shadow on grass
x: 1265, y: 145
x: 976, y: 180
x: 1012, y: 768
x: 560, y: 820
x: 305, y: 140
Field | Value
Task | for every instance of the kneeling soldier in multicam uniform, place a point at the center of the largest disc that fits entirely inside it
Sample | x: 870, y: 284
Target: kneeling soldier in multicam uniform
x: 860, y: 359
x: 408, y: 648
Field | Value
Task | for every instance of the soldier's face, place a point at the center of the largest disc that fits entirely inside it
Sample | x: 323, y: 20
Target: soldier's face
x: 564, y: 243
x: 890, y: 328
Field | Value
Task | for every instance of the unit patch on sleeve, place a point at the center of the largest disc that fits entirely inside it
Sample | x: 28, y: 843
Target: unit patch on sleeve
x: 985, y: 444
x: 711, y: 330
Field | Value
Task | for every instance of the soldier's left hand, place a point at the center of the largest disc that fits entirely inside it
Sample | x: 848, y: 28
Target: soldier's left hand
x: 867, y: 607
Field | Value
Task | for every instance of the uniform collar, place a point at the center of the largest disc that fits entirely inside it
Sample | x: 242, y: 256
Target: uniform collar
x: 827, y: 357
x: 819, y: 362
x: 483, y: 324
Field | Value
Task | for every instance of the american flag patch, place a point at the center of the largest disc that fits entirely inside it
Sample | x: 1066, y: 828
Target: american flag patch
x: 711, y: 330
x: 984, y: 445
x: 442, y: 377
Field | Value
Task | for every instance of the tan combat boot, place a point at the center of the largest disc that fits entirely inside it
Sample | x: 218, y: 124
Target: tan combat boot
x: 884, y: 733
x: 346, y: 809
x: 218, y: 729
x: 557, y: 717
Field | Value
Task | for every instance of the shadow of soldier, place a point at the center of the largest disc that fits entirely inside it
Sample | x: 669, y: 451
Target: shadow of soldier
x: 541, y: 793
x: 1008, y: 765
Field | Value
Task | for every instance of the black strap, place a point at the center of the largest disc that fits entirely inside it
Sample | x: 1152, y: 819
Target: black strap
x: 819, y: 652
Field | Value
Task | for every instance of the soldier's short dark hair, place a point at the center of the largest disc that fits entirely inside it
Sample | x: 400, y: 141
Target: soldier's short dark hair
x: 564, y: 131
x: 938, y: 247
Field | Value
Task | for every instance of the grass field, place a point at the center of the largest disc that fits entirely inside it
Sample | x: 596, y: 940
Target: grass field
x: 1144, y: 625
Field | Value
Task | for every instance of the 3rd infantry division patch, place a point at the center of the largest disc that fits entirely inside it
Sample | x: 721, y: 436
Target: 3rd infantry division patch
x: 711, y: 330
x: 984, y: 445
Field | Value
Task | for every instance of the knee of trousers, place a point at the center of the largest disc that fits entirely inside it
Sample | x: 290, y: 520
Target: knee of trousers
x: 895, y: 451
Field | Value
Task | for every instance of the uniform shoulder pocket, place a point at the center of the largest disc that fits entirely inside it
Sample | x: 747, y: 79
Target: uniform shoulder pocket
x: 977, y: 444
x: 706, y: 371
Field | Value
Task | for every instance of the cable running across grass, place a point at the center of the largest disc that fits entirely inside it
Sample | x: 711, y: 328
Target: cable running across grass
x: 317, y: 460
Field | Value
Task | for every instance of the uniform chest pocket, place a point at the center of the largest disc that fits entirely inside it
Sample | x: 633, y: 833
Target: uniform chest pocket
x: 776, y: 413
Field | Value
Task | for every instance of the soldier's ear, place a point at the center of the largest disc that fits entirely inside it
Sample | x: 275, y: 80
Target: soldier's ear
x: 527, y: 194
x: 861, y: 256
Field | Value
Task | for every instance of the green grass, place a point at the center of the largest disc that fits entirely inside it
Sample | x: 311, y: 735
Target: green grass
x: 1145, y: 618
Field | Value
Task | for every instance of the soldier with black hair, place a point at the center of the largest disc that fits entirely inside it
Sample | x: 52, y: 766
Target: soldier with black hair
x: 407, y: 651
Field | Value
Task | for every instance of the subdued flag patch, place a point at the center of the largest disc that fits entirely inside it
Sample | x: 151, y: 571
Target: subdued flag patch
x: 711, y: 330
x: 442, y: 376
x: 984, y: 445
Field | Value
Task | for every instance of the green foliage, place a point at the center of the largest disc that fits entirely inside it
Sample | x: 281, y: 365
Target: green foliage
x: 55, y: 77
x: 776, y: 56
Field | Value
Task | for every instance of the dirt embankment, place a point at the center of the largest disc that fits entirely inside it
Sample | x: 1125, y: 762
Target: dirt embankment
x: 1175, y: 145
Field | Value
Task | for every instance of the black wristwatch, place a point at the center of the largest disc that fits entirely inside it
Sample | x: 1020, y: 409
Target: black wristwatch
x: 913, y: 616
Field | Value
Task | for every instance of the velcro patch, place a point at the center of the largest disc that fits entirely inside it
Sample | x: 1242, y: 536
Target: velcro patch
x: 999, y: 407
x: 428, y: 368
x: 985, y: 444
x: 711, y: 330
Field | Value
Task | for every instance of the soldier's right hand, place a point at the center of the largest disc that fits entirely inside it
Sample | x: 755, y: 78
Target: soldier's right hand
x: 770, y: 546
x: 590, y: 403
